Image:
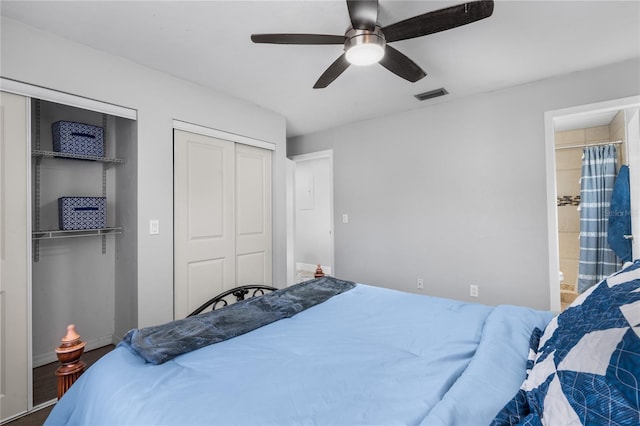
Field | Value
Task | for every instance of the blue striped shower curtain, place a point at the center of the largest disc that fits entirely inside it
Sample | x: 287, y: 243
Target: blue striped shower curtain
x: 597, y: 260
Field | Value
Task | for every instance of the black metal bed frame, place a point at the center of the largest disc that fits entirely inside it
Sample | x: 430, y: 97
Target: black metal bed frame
x: 238, y: 292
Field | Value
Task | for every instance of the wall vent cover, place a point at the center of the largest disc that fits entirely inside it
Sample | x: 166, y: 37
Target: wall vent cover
x: 431, y: 94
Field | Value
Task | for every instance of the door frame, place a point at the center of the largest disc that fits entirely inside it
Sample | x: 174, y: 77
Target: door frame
x: 632, y: 142
x: 221, y: 134
x: 291, y: 208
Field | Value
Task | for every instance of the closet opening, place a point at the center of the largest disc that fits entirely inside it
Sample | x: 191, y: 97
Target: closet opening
x: 84, y: 268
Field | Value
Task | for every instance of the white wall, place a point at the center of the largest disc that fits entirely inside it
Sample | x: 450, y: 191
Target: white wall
x: 455, y: 193
x: 35, y: 57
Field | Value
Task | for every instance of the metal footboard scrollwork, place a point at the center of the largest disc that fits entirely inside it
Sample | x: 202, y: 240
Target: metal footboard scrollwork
x: 239, y: 293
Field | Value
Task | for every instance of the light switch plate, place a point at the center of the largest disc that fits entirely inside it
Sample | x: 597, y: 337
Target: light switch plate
x: 154, y: 227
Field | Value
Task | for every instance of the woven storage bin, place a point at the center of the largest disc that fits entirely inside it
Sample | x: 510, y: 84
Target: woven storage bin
x: 82, y: 213
x: 77, y: 138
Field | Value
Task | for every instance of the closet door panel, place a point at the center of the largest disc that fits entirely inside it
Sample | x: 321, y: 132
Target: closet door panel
x: 14, y: 259
x: 205, y: 279
x: 204, y: 219
x: 253, y: 215
x: 251, y: 268
x: 205, y: 190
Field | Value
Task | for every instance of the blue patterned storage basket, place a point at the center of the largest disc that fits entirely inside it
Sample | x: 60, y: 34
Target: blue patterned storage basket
x: 77, y: 138
x: 82, y: 213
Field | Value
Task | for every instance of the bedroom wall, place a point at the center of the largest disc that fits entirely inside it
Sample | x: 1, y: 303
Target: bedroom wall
x: 455, y: 192
x: 39, y: 58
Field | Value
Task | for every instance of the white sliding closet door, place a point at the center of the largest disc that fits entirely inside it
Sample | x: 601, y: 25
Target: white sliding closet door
x: 14, y: 259
x: 222, y: 196
x: 204, y: 219
x: 253, y: 215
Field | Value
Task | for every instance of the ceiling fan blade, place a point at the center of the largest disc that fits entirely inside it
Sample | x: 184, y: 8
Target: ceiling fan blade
x: 438, y: 20
x: 363, y: 14
x: 297, y: 38
x: 400, y: 65
x: 331, y: 73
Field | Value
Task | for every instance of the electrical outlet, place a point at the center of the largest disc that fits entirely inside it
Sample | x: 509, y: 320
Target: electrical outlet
x: 473, y: 290
x: 420, y: 284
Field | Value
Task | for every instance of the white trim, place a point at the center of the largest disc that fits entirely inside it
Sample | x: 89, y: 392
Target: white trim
x: 632, y: 118
x: 290, y: 170
x: 221, y: 134
x: 50, y: 95
x: 29, y: 255
x: 552, y: 215
x: 31, y: 411
x: 314, y: 155
x: 309, y: 267
x: 598, y: 107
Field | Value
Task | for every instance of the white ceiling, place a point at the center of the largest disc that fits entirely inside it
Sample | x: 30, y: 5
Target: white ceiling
x: 208, y: 42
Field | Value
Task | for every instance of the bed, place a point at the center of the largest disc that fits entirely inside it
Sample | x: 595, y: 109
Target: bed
x: 370, y: 355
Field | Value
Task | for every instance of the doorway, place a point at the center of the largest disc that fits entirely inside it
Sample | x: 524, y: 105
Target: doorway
x: 312, y: 191
x: 569, y: 130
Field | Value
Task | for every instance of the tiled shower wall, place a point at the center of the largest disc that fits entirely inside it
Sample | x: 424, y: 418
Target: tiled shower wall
x: 568, y: 171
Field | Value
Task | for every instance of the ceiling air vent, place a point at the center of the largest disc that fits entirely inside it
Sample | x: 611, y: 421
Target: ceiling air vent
x: 431, y: 94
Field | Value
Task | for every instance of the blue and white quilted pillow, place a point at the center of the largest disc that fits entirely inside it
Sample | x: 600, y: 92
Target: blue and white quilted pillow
x: 587, y: 367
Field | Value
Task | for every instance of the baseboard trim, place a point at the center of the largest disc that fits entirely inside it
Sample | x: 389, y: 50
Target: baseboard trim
x: 300, y: 266
x: 29, y: 412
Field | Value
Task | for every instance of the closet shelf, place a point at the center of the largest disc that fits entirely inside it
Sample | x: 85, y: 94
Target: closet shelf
x: 57, y: 234
x: 53, y: 154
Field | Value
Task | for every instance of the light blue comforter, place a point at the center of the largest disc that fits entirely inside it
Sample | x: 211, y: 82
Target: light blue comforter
x: 367, y: 356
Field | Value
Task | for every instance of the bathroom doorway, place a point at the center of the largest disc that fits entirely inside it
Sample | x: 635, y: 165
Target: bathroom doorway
x: 567, y: 133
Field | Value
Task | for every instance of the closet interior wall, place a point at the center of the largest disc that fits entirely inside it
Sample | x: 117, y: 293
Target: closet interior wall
x: 89, y: 281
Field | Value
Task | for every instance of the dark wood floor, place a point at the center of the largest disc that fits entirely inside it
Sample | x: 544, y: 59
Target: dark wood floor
x: 36, y: 418
x: 45, y: 387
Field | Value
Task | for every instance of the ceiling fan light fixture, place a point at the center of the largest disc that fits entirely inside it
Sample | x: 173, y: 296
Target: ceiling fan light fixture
x: 365, y: 41
x: 365, y: 54
x: 363, y: 47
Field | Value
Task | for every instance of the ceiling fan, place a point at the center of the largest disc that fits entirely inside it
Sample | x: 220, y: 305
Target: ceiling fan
x: 366, y: 42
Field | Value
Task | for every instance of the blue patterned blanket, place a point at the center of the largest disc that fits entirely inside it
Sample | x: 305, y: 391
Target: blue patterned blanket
x: 162, y: 343
x: 585, y: 367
